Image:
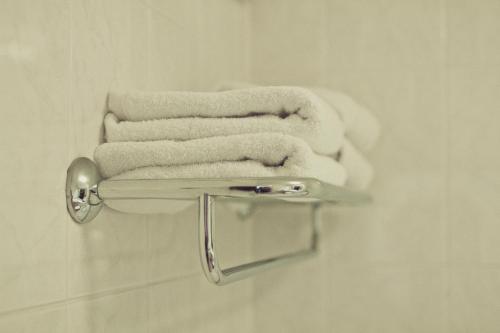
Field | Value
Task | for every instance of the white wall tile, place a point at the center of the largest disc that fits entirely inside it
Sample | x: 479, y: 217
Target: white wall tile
x: 292, y: 298
x: 109, y: 51
x: 407, y: 219
x: 174, y: 40
x: 474, y: 304
x: 288, y: 41
x: 193, y: 305
x: 174, y: 244
x: 49, y: 320
x: 58, y: 61
x: 387, y: 299
x: 472, y: 31
x: 125, y: 312
x: 474, y: 178
x: 389, y: 58
x: 383, y: 34
x: 109, y: 253
x: 297, y: 290
x: 224, y: 49
x: 198, y: 57
x: 34, y: 62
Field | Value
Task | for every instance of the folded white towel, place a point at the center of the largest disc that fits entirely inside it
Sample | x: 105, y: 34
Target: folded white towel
x: 180, y: 116
x: 245, y: 155
x: 359, y: 170
x: 361, y: 127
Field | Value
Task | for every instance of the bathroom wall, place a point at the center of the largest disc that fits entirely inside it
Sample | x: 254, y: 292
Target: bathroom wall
x: 425, y: 257
x: 120, y: 273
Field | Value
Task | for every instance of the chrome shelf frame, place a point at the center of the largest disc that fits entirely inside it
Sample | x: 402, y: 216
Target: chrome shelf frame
x: 86, y: 193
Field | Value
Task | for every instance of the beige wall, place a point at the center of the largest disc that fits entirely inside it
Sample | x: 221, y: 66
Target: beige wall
x: 121, y: 273
x: 425, y: 257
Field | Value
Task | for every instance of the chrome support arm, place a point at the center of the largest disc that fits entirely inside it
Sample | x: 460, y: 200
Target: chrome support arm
x: 210, y: 261
x: 86, y: 193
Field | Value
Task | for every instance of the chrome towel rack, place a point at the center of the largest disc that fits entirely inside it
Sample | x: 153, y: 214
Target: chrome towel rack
x: 86, y: 192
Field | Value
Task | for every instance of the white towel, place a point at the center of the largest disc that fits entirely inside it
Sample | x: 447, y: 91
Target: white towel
x: 245, y: 155
x: 180, y: 116
x: 359, y: 170
x: 361, y: 127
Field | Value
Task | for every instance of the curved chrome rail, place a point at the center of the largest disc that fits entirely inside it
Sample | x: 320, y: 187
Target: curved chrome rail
x: 208, y: 253
x: 86, y: 193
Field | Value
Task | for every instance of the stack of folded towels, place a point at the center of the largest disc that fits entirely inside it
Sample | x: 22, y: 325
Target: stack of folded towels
x: 247, y: 132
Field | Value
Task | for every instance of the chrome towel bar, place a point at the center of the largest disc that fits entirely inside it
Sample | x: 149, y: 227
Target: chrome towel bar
x: 208, y: 254
x: 86, y: 192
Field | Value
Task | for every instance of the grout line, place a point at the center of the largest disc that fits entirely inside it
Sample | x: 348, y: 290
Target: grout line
x: 70, y: 140
x: 248, y: 35
x: 325, y: 44
x: 149, y: 29
x: 95, y: 296
x: 149, y: 274
x: 248, y: 14
x: 250, y: 43
x: 447, y: 165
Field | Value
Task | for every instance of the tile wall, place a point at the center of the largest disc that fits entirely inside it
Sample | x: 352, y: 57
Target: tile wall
x: 121, y: 273
x: 425, y: 257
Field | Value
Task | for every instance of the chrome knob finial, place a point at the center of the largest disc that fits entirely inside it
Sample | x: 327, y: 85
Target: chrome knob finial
x: 82, y: 199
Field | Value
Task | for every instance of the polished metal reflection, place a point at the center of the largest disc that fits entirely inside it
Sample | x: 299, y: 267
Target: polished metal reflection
x: 281, y: 188
x: 208, y: 253
x: 82, y: 199
x: 86, y: 193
